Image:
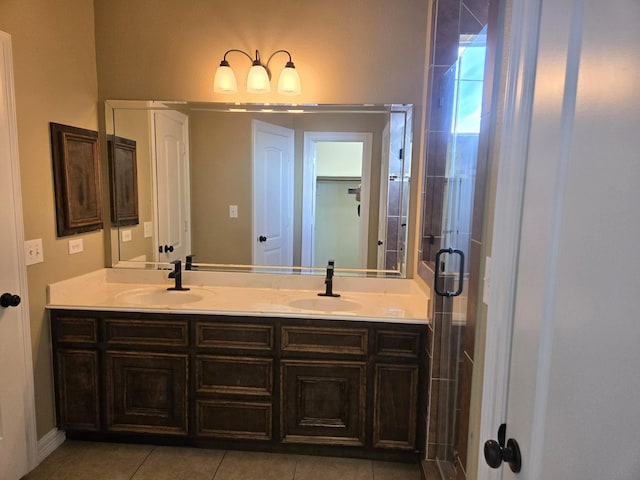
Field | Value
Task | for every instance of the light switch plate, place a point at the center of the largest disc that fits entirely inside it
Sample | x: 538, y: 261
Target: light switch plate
x: 33, y: 252
x: 233, y: 211
x: 126, y: 235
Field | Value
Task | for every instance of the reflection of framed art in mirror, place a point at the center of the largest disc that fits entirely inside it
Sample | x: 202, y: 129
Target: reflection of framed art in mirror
x: 123, y: 180
x: 76, y: 173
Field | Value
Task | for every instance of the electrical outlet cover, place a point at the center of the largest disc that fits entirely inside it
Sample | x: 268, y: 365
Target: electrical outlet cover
x: 76, y: 246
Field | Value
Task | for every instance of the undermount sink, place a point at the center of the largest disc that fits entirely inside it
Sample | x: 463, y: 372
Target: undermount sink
x: 161, y: 297
x: 325, y: 304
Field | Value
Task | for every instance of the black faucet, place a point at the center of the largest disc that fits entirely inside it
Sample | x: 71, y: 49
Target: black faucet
x: 188, y: 264
x: 328, y: 282
x: 177, y: 275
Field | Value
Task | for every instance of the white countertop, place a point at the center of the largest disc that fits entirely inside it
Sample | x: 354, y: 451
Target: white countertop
x: 243, y: 294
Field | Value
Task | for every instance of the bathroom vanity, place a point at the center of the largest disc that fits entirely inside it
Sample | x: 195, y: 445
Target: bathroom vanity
x: 259, y: 366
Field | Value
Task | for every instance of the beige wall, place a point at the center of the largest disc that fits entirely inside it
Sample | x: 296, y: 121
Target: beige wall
x: 55, y: 81
x: 355, y: 51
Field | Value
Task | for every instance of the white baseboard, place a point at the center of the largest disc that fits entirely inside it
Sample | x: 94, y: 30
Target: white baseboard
x: 48, y: 443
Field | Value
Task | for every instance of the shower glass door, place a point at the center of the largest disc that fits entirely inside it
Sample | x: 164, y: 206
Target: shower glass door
x: 463, y: 84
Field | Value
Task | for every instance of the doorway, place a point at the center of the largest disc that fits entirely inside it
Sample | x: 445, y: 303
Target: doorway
x: 335, y: 210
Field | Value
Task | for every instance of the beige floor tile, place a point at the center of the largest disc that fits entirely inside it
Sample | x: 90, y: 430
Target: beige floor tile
x: 175, y: 463
x: 102, y: 461
x: 324, y: 468
x: 256, y: 466
x: 54, y: 461
x: 395, y: 471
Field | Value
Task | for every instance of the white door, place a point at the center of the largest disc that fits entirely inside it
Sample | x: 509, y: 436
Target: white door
x: 17, y: 415
x: 272, y: 194
x: 573, y: 386
x: 384, y: 190
x: 172, y: 189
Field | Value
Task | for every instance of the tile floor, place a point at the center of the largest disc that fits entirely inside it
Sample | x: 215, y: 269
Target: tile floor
x: 76, y: 460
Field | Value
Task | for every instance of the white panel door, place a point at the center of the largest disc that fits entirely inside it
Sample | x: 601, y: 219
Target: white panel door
x: 573, y: 385
x: 173, y: 195
x: 17, y: 416
x: 272, y: 194
x: 384, y: 191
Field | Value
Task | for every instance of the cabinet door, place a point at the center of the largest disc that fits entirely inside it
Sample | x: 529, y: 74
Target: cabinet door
x: 395, y: 406
x: 146, y: 392
x: 77, y: 389
x: 323, y: 402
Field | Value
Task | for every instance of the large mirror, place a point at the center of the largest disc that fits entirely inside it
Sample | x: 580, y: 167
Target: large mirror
x: 289, y: 187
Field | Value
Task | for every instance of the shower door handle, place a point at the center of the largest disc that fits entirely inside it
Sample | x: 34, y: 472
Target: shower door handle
x: 445, y: 292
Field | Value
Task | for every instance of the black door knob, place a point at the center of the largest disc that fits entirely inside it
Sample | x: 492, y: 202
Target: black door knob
x: 379, y: 242
x: 497, y: 452
x: 166, y: 248
x: 262, y: 239
x: 9, y: 300
x: 492, y: 453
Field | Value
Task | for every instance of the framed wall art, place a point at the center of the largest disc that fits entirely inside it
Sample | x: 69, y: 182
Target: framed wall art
x: 76, y: 174
x: 123, y: 180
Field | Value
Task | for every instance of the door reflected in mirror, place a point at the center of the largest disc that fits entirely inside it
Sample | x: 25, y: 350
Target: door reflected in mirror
x: 258, y: 185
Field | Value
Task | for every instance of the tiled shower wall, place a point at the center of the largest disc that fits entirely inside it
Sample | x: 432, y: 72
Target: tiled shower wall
x: 452, y: 342
x: 398, y: 189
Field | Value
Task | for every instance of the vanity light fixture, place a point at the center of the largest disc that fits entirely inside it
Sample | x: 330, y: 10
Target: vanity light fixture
x: 258, y: 80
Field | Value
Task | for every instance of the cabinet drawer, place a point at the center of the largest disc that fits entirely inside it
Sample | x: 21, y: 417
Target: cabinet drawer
x: 234, y: 420
x: 234, y: 375
x: 147, y: 332
x: 324, y: 340
x: 234, y: 336
x: 76, y: 329
x: 398, y: 344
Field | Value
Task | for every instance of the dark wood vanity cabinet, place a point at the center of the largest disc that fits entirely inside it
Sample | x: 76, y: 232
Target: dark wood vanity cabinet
x: 288, y: 384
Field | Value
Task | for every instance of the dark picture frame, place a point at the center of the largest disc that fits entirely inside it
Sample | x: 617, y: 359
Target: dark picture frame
x: 76, y: 174
x: 123, y: 180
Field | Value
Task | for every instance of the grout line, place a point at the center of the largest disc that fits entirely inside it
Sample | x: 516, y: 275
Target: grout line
x: 373, y: 470
x: 295, y: 469
x: 142, y: 463
x: 224, y: 454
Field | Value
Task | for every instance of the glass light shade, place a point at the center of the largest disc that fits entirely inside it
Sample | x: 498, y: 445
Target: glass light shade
x: 225, y: 80
x: 258, y: 80
x: 289, y: 82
